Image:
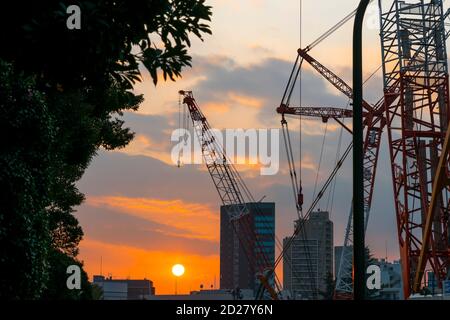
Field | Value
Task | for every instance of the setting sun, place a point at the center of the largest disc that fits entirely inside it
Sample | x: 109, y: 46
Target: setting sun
x: 178, y: 270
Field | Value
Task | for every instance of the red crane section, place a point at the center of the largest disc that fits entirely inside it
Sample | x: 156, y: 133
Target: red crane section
x: 336, y: 81
x: 415, y: 74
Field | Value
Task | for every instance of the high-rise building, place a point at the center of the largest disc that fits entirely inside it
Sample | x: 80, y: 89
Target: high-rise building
x: 308, y: 261
x: 237, y: 268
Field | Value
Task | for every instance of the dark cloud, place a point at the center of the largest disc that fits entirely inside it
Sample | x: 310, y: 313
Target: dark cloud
x: 115, y: 173
x: 153, y: 126
x: 266, y: 80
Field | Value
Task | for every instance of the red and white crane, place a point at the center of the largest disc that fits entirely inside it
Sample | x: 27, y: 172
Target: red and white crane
x: 233, y: 193
x: 425, y: 75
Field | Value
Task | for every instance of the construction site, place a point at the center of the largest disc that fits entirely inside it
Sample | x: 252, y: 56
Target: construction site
x: 412, y: 114
x: 225, y: 150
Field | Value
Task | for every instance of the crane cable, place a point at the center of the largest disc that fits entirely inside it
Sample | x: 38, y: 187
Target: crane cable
x: 293, y: 175
x: 300, y: 198
x: 320, y: 159
x: 333, y: 29
x: 330, y: 200
x: 300, y: 191
x: 291, y: 162
x: 179, y: 132
x: 296, y: 182
x: 316, y: 200
x: 185, y: 123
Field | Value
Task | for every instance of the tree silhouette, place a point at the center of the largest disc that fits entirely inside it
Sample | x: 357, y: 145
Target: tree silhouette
x: 62, y: 95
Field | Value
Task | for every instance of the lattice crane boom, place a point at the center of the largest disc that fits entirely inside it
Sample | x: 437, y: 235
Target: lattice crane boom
x: 320, y: 112
x: 417, y: 121
x: 335, y: 80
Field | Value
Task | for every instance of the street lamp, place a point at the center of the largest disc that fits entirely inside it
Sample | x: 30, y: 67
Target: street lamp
x: 358, y: 183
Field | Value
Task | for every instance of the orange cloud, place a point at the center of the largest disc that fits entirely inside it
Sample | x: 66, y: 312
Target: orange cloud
x: 233, y: 99
x: 219, y: 107
x: 244, y: 100
x: 196, y: 221
x: 129, y: 262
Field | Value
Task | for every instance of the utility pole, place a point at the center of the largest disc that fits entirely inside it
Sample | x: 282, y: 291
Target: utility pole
x: 358, y: 183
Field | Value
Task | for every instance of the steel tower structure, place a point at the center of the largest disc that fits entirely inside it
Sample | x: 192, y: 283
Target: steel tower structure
x: 415, y: 75
x: 374, y: 122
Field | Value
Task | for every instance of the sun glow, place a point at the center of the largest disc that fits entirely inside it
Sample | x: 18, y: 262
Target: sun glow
x: 178, y: 270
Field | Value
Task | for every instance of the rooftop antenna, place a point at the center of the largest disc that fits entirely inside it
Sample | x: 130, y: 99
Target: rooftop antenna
x: 101, y: 265
x: 386, y: 256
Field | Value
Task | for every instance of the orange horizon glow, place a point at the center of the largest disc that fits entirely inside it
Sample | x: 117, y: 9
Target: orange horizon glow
x: 126, y: 262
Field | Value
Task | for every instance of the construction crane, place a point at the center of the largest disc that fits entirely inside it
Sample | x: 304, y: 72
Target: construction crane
x: 374, y: 121
x: 415, y: 69
x: 235, y: 195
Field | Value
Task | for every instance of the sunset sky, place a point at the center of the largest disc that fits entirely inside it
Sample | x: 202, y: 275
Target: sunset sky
x: 143, y: 214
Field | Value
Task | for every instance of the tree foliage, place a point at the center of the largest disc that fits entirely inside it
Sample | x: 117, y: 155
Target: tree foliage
x: 27, y: 130
x: 115, y: 36
x: 62, y: 95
